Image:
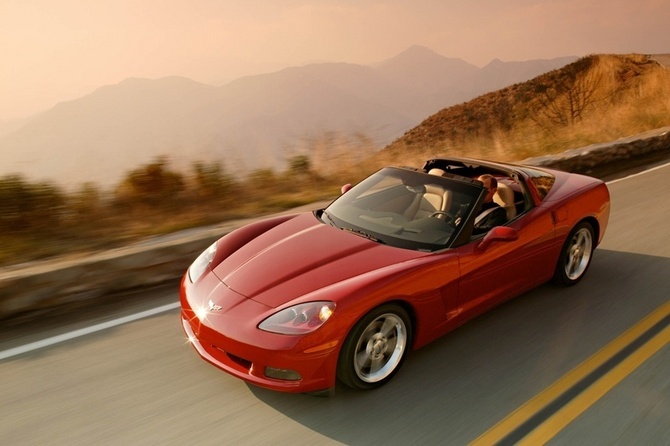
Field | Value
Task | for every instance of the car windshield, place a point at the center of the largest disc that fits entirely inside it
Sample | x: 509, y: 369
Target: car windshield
x: 406, y: 208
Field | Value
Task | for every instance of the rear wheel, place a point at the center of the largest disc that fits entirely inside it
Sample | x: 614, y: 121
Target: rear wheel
x: 375, y: 348
x: 575, y: 256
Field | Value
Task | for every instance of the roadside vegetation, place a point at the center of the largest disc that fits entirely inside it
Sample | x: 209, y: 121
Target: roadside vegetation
x: 596, y: 99
x: 42, y: 220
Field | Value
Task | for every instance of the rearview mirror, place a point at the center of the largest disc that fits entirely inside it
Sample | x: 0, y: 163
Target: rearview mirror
x: 498, y: 234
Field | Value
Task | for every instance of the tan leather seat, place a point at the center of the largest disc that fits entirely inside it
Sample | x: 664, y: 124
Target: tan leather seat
x: 504, y: 197
x: 435, y: 198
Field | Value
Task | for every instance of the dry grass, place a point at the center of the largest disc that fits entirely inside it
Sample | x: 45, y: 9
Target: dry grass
x: 617, y: 96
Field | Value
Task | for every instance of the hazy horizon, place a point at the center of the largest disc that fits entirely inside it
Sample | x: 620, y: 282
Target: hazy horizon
x: 56, y: 51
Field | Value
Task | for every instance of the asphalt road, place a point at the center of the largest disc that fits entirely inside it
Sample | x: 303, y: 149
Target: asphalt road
x: 139, y: 382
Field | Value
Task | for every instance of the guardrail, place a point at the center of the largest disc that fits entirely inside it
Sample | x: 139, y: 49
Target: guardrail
x: 44, y: 284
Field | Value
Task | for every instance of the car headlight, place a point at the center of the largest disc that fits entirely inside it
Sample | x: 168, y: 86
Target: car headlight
x: 200, y: 264
x: 299, y: 319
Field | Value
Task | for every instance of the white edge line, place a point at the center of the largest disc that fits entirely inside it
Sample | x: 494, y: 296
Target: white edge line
x: 639, y: 173
x: 85, y: 331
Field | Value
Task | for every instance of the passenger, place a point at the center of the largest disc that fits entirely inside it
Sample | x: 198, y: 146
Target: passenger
x: 490, y: 214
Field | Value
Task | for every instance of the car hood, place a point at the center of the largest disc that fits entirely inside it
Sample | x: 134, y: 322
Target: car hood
x: 300, y: 256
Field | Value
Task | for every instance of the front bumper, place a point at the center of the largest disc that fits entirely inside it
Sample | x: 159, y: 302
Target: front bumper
x: 231, y: 341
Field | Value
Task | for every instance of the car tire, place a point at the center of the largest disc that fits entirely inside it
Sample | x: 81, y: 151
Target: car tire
x: 575, y: 256
x: 375, y: 348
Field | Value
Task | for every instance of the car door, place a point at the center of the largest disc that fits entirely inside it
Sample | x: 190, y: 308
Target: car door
x: 493, y: 272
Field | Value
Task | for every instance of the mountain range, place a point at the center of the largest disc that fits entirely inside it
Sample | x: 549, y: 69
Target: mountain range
x: 251, y: 123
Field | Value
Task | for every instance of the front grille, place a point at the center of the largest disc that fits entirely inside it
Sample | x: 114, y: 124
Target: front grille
x: 240, y: 361
x: 245, y: 364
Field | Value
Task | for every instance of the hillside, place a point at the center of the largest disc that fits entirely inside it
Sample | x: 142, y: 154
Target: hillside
x: 595, y: 99
x: 251, y: 123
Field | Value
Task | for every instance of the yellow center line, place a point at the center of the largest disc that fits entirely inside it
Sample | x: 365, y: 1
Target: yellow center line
x: 586, y: 399
x: 563, y: 416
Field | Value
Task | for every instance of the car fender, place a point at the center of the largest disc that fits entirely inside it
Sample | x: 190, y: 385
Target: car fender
x: 412, y: 284
x: 590, y: 203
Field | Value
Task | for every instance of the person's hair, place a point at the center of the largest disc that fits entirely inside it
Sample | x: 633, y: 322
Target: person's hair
x: 492, y: 180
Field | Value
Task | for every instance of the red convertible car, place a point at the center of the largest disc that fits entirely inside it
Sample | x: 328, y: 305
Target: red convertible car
x: 296, y: 303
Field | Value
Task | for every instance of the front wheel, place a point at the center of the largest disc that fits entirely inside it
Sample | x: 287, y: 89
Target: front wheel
x: 375, y: 348
x: 575, y: 256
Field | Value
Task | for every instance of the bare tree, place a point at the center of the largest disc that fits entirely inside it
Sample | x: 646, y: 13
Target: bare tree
x: 565, y: 100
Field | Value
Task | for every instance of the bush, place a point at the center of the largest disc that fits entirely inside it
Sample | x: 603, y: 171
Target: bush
x: 30, y: 207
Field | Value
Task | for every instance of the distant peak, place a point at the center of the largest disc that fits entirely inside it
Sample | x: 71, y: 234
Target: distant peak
x: 419, y: 48
x: 495, y: 63
x: 414, y: 53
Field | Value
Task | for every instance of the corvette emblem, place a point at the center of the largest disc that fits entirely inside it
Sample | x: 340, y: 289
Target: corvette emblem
x: 213, y: 307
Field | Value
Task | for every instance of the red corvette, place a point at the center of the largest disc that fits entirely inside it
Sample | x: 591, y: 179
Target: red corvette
x: 294, y: 303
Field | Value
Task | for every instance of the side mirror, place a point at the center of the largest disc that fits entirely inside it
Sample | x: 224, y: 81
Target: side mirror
x: 498, y: 234
x: 344, y: 189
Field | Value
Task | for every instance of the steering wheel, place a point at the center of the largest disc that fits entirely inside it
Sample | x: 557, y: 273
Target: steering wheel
x: 439, y: 214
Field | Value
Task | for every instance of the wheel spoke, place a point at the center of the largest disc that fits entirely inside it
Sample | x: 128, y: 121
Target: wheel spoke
x: 388, y: 327
x: 572, y: 265
x: 392, y: 343
x: 376, y: 364
x: 363, y: 359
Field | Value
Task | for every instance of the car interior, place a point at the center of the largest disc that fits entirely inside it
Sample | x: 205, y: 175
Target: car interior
x: 509, y: 195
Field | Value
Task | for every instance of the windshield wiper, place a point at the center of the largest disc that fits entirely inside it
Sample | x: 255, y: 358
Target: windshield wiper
x: 331, y: 222
x: 364, y: 235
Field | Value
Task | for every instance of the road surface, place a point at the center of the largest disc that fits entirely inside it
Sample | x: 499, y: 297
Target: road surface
x: 584, y: 365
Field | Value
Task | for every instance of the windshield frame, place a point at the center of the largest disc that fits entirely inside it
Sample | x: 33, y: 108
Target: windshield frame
x: 371, y: 209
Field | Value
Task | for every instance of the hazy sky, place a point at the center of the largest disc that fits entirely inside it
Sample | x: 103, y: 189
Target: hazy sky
x: 58, y: 50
